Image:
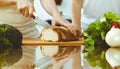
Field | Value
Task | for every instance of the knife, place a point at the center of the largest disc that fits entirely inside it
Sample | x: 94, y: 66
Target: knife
x: 40, y: 24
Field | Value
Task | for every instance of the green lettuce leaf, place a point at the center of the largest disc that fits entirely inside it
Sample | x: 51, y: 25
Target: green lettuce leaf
x: 95, y: 45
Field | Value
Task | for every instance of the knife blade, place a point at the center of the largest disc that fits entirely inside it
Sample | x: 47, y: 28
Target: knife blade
x: 40, y: 24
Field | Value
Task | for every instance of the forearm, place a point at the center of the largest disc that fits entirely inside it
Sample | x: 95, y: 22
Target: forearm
x: 76, y: 13
x: 76, y: 62
x: 50, y: 7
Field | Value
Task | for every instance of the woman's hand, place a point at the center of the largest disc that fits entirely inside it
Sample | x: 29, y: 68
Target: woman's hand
x: 25, y: 7
x: 62, y: 22
x: 58, y: 63
x: 28, y: 67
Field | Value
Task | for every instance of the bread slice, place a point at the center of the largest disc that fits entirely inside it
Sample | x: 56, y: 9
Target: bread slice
x: 66, y: 34
x: 57, y: 52
x: 50, y: 51
x: 50, y: 34
x: 57, y: 34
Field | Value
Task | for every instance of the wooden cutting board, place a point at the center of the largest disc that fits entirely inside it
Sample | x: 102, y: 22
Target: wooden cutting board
x: 37, y: 41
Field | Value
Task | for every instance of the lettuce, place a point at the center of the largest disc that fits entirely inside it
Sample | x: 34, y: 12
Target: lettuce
x: 95, y: 45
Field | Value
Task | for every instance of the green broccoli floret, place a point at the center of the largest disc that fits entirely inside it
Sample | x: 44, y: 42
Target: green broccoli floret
x: 10, y: 41
x: 13, y: 35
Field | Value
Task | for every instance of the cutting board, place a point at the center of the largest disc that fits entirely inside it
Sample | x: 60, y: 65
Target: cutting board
x: 37, y: 41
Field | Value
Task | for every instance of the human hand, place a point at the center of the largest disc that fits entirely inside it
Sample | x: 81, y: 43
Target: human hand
x: 62, y: 22
x: 28, y: 67
x: 58, y: 63
x: 25, y: 7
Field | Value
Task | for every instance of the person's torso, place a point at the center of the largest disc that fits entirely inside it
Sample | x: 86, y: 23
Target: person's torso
x: 9, y: 14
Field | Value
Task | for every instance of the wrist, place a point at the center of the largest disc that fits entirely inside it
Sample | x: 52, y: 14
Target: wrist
x: 56, y: 13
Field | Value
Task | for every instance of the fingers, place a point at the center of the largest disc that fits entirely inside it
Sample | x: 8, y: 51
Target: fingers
x: 27, y: 11
x: 28, y: 67
x: 73, y: 53
x: 25, y: 7
x: 65, y: 23
x: 54, y: 21
x: 24, y: 11
x: 60, y: 62
x: 71, y: 28
x: 31, y: 10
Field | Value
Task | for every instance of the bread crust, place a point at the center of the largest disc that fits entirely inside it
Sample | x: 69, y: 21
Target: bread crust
x: 68, y: 35
x: 64, y: 35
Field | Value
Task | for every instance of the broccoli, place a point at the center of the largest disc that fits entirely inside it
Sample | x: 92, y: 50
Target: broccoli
x: 10, y: 44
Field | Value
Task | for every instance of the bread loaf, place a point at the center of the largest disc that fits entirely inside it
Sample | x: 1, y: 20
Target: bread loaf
x: 58, y: 34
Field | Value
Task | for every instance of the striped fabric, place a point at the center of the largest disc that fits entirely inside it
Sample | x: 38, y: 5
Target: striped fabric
x: 10, y: 15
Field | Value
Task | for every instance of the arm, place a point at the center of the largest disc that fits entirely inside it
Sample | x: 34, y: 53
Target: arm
x: 51, y: 8
x: 76, y: 13
x: 58, y: 63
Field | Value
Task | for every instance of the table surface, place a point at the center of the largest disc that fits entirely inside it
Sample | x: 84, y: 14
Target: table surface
x: 37, y: 41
